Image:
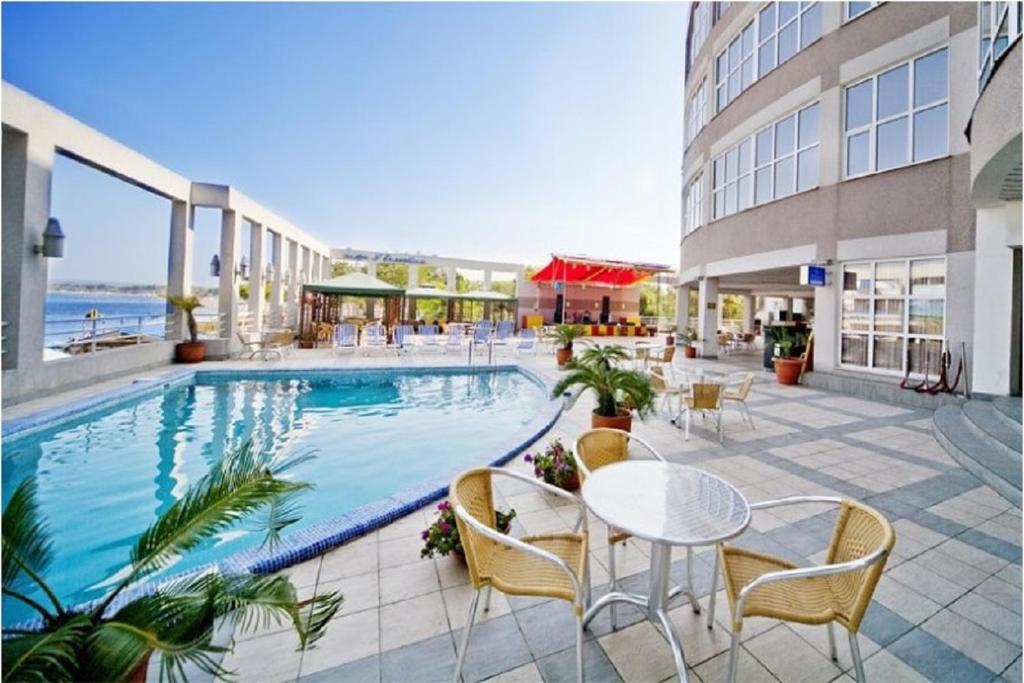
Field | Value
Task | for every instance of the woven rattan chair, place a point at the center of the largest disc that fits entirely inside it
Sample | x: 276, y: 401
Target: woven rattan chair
x: 551, y: 565
x: 736, y: 390
x: 760, y: 585
x: 704, y: 398
x: 666, y: 391
x: 603, y: 446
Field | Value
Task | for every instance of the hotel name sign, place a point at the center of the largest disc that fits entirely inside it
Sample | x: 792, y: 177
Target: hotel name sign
x: 383, y: 257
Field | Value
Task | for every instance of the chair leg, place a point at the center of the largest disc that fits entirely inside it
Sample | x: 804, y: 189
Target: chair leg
x: 750, y: 418
x: 714, y: 593
x: 734, y: 652
x: 687, y: 431
x: 689, y: 580
x: 858, y: 664
x: 466, y: 630
x: 487, y: 599
x: 832, y: 642
x: 579, y: 645
x: 611, y: 587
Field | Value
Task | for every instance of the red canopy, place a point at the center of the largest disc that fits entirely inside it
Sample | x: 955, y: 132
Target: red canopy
x: 585, y: 270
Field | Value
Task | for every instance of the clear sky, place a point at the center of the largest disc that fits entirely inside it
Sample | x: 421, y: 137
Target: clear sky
x: 501, y: 131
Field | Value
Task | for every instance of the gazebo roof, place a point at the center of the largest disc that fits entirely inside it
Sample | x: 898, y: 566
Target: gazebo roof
x: 474, y: 295
x: 429, y: 293
x: 355, y: 284
x: 586, y: 270
x: 485, y: 295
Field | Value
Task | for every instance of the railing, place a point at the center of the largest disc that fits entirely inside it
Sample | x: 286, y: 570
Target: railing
x: 211, y: 325
x: 3, y: 337
x: 75, y: 336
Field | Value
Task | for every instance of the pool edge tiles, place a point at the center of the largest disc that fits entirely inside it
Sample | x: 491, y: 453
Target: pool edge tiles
x: 304, y: 544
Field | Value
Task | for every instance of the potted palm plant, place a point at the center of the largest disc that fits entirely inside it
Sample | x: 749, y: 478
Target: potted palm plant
x: 565, y: 335
x: 192, y: 351
x: 619, y: 391
x: 111, y: 639
x: 789, y: 345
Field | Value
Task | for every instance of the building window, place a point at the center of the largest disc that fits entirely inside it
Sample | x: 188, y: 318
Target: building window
x: 702, y: 21
x: 734, y: 68
x: 775, y: 162
x: 783, y: 29
x: 898, y: 117
x: 852, y: 10
x: 697, y: 112
x: 999, y: 24
x: 893, y: 313
x: 720, y: 9
x: 694, y: 204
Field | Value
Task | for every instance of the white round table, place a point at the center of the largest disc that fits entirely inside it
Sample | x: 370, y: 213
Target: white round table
x: 666, y: 504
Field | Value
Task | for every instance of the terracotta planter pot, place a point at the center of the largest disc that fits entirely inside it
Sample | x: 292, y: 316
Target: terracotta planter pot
x: 572, y: 483
x: 189, y: 352
x: 670, y: 340
x: 139, y: 675
x: 787, y: 370
x: 307, y: 344
x: 690, y: 351
x: 563, y: 356
x: 623, y: 421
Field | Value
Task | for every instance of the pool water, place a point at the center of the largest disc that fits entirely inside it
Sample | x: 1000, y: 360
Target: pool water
x: 103, y: 478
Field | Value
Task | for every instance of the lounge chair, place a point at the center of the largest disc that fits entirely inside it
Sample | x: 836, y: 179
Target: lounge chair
x: 374, y: 337
x: 345, y: 338
x: 549, y: 565
x: 403, y: 339
x: 761, y: 585
x: 503, y: 333
x: 482, y: 333
x: 428, y: 336
x: 253, y: 345
x: 527, y: 341
x: 454, y: 337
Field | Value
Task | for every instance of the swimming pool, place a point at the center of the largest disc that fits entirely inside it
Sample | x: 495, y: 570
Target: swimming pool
x: 385, y: 441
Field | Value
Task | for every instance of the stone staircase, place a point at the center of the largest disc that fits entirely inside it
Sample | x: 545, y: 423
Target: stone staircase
x: 985, y: 438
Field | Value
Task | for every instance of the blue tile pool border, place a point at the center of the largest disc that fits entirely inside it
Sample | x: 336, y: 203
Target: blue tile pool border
x: 303, y: 544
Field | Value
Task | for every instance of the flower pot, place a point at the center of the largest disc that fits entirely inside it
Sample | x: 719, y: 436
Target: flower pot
x: 623, y: 421
x: 572, y: 483
x: 690, y: 351
x: 307, y: 343
x: 190, y: 352
x: 670, y: 340
x: 563, y: 356
x: 139, y: 674
x: 787, y: 370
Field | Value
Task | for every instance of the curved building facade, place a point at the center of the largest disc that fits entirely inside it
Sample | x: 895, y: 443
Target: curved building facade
x: 836, y: 135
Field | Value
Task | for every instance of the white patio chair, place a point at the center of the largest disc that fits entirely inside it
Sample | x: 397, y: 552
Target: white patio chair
x: 454, y: 337
x: 503, y: 333
x: 403, y: 338
x: 427, y: 337
x: 527, y: 342
x: 374, y: 337
x: 345, y: 338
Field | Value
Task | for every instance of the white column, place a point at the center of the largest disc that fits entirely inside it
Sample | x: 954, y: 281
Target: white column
x: 291, y: 305
x: 306, y: 264
x: 179, y: 266
x: 228, y: 287
x: 707, y: 316
x: 371, y: 268
x: 748, y: 313
x: 276, y: 283
x: 682, y: 308
x: 720, y: 305
x: 826, y: 326
x: 451, y: 278
x: 256, y: 275
x: 27, y: 173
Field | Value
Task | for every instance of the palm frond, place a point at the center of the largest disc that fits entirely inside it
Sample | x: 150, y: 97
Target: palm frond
x: 27, y: 549
x: 315, y: 615
x: 279, y: 515
x: 45, y: 656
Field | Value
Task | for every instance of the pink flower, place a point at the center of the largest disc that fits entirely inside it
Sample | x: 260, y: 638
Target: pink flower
x: 445, y: 527
x: 444, y: 505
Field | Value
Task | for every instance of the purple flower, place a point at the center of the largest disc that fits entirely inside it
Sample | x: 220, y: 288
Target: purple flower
x: 445, y: 527
x: 426, y: 534
x: 528, y: 458
x: 536, y: 471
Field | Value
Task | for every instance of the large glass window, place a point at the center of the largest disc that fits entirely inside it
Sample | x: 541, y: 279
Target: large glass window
x: 734, y: 68
x: 702, y: 21
x: 694, y: 204
x: 898, y: 117
x: 999, y: 24
x: 893, y: 312
x: 697, y: 112
x: 855, y: 9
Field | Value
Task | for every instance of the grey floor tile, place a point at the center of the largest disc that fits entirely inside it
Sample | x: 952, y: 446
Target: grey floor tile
x: 882, y: 625
x: 428, y: 661
x: 366, y: 670
x: 937, y: 661
x: 548, y: 628
x: 561, y: 666
x: 495, y: 646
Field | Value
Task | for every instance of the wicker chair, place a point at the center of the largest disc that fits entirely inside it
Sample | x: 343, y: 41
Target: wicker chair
x: 760, y: 585
x: 603, y: 446
x: 551, y: 565
x: 667, y: 392
x: 736, y: 390
x: 704, y: 398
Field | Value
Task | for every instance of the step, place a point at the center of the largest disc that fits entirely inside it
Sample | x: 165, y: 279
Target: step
x: 1008, y: 408
x: 998, y: 431
x: 976, y: 454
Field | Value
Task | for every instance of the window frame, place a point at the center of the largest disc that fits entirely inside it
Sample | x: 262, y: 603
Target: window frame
x: 872, y: 126
x: 1000, y: 13
x: 696, y: 116
x: 872, y: 4
x: 693, y: 204
x: 906, y: 298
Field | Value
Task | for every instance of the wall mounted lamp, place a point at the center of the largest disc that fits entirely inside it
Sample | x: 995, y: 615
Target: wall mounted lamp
x: 53, y: 241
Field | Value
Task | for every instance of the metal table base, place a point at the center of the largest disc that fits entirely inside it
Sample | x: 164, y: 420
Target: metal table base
x: 655, y: 603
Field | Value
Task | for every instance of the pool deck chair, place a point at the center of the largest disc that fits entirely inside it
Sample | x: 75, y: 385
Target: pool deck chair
x: 503, y: 332
x: 839, y: 591
x: 345, y: 338
x: 602, y: 446
x: 549, y: 565
x: 482, y: 333
x: 527, y: 342
x: 453, y: 338
x: 428, y: 337
x: 374, y: 337
x: 403, y: 339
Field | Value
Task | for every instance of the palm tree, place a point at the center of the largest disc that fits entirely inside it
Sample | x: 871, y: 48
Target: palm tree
x: 187, y: 304
x: 616, y: 388
x: 110, y: 641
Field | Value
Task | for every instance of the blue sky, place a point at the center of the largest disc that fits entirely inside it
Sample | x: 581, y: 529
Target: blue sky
x: 502, y: 131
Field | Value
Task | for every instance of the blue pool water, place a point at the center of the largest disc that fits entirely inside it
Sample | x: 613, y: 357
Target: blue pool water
x: 104, y: 477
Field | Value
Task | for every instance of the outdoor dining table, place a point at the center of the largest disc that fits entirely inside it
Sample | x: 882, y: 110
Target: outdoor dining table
x: 668, y: 505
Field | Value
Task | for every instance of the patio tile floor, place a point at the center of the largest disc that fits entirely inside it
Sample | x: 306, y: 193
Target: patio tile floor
x: 947, y: 609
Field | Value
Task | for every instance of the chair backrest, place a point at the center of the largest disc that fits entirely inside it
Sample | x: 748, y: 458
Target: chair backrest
x: 428, y: 330
x: 482, y: 332
x: 374, y: 332
x: 456, y: 332
x: 599, y: 447
x: 472, y: 490
x: 743, y: 381
x: 345, y: 334
x: 658, y: 380
x: 860, y: 530
x: 668, y: 354
x: 505, y: 329
x: 527, y: 338
x: 402, y: 334
x: 705, y: 396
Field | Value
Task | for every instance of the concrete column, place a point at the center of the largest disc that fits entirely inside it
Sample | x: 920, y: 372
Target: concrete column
x: 707, y: 316
x: 788, y: 303
x: 720, y: 305
x: 748, y: 313
x: 307, y: 257
x: 682, y: 308
x: 27, y: 174
x: 826, y: 326
x: 228, y: 287
x: 294, y: 288
x: 256, y: 275
x: 276, y: 283
x: 179, y: 266
x: 451, y: 278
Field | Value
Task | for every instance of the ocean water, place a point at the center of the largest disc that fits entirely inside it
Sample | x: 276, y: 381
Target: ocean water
x: 66, y: 311
x: 103, y: 478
